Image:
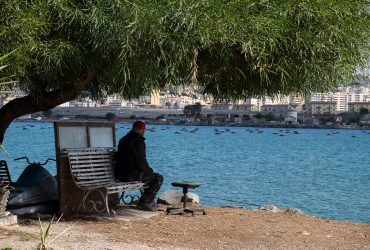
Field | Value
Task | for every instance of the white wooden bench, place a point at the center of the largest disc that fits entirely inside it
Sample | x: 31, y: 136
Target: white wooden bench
x: 92, y: 170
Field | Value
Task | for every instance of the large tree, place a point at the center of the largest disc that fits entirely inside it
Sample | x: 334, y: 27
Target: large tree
x: 232, y: 49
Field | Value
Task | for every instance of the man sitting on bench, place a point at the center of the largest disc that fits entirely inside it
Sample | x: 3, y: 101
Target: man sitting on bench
x: 132, y: 165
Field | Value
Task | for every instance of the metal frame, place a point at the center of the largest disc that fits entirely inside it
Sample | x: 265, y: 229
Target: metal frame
x: 119, y: 187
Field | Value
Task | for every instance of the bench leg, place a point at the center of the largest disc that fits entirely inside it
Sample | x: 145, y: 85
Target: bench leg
x: 94, y: 205
x: 82, y: 204
x: 121, y: 198
x: 106, y: 202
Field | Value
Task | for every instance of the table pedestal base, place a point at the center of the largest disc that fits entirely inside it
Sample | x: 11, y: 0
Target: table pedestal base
x: 182, y: 210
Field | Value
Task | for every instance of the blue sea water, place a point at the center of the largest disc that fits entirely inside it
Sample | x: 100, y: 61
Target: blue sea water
x: 324, y: 173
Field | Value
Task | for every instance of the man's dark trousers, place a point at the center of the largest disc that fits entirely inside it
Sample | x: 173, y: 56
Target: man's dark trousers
x: 154, y: 184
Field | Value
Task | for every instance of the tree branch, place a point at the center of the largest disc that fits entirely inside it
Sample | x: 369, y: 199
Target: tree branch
x: 30, y: 104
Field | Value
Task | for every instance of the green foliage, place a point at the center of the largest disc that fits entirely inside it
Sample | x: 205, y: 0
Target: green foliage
x: 3, y: 149
x: 4, y: 80
x: 188, y: 110
x: 259, y: 115
x: 197, y: 108
x: 160, y: 117
x: 47, y: 113
x: 364, y: 111
x: 193, y: 110
x: 270, y: 117
x: 87, y: 117
x: 355, y: 119
x: 350, y: 117
x: 46, y: 232
x: 110, y: 116
x: 232, y: 49
x: 7, y: 248
x: 327, y: 118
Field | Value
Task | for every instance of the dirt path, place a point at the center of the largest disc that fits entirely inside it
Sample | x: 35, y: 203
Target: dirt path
x: 221, y: 228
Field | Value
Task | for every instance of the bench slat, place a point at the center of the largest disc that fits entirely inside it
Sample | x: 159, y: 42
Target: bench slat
x: 92, y: 165
x: 92, y: 171
x: 105, y: 156
x: 114, y: 190
x: 96, y: 178
x: 103, y: 183
x: 125, y: 185
x: 97, y: 167
x: 72, y: 153
x: 89, y: 159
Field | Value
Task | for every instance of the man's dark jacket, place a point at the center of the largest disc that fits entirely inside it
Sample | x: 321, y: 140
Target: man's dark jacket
x: 131, y: 158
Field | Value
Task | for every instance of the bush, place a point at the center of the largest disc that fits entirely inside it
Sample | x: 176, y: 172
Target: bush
x: 258, y: 115
x: 160, y: 117
x: 47, y: 113
x: 270, y: 117
x: 364, y: 111
x: 110, y: 116
x: 86, y: 117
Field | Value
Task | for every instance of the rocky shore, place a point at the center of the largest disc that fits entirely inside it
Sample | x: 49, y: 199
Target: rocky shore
x: 154, y: 122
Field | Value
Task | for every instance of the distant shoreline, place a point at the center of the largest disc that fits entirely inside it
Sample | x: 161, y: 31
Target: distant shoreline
x: 260, y: 125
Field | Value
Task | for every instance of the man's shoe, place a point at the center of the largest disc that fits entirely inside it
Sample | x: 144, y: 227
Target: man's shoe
x: 152, y: 207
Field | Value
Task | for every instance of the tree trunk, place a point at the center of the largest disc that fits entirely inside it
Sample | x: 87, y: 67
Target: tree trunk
x: 30, y: 104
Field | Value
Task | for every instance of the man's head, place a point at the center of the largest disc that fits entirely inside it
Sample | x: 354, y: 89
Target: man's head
x: 139, y: 127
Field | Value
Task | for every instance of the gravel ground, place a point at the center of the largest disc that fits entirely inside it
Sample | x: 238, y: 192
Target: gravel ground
x: 221, y: 228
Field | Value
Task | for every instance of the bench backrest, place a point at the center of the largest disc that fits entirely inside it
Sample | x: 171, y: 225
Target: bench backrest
x: 92, y: 167
x: 4, y: 174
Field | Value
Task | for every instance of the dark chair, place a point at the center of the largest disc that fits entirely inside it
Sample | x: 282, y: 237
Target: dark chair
x: 185, y: 186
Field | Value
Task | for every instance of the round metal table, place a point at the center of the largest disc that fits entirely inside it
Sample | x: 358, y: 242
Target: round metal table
x: 186, y: 185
